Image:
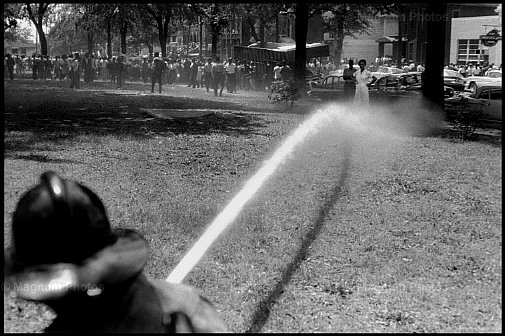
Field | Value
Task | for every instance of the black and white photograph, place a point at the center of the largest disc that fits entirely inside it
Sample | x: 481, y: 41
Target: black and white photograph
x: 264, y: 167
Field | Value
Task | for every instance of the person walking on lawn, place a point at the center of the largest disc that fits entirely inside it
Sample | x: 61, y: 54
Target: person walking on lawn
x: 75, y: 72
x: 158, y: 65
x: 207, y: 74
x: 231, y: 76
x: 57, y: 68
x: 42, y: 68
x: 10, y: 66
x: 193, y: 72
x: 64, y: 67
x: 218, y: 76
x: 145, y: 69
x: 35, y: 67
x: 65, y: 254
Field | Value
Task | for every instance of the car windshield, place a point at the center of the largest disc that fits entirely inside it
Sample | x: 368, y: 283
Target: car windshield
x: 395, y: 70
x: 451, y: 73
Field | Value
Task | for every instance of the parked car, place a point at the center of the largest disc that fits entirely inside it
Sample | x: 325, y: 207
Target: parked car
x: 340, y: 70
x: 384, y: 71
x: 311, y: 76
x: 396, y: 86
x: 329, y: 88
x: 493, y: 77
x: 389, y: 87
x: 487, y: 100
x: 454, y: 79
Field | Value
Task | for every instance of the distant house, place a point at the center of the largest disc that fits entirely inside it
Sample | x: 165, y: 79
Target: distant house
x: 19, y: 48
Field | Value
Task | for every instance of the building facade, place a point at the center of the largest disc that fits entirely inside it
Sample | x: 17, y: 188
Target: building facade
x: 466, y: 45
x: 19, y: 48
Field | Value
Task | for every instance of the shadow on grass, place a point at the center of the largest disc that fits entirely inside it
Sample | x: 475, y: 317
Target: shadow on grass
x: 49, y: 112
x: 490, y: 136
x: 39, y: 158
x: 263, y: 311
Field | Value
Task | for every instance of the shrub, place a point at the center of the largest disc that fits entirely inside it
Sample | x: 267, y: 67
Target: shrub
x: 464, y: 115
x: 284, y: 91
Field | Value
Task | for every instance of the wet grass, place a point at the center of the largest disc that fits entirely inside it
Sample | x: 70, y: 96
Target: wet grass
x: 355, y: 233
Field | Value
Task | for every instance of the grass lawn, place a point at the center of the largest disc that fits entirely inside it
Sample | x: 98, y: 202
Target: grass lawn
x: 362, y: 229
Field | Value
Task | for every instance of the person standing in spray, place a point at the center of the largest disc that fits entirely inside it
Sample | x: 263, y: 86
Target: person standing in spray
x: 349, y: 82
x: 363, y: 77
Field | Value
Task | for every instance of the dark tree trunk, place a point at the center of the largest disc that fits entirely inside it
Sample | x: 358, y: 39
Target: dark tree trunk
x: 339, y: 41
x: 89, y: 38
x: 262, y: 32
x: 109, y: 39
x: 252, y: 29
x: 122, y: 33
x: 433, y: 86
x: 150, y: 46
x: 246, y: 33
x: 163, y: 45
x: 215, y: 37
x: 42, y: 39
x: 277, y: 27
x: 41, y: 9
x: 164, y: 35
x: 400, y: 39
x: 302, y: 19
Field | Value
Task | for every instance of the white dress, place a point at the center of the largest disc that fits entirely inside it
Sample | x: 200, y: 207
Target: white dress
x: 361, y: 97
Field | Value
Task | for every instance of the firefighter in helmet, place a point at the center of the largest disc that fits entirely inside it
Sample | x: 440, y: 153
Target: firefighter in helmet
x: 65, y: 254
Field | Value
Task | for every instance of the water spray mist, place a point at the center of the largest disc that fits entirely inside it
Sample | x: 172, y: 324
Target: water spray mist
x: 231, y: 211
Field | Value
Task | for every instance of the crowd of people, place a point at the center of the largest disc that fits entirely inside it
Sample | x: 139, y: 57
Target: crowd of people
x: 210, y: 74
x: 473, y: 68
x: 193, y: 72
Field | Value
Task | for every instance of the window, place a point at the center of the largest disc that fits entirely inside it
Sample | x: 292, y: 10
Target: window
x: 469, y: 50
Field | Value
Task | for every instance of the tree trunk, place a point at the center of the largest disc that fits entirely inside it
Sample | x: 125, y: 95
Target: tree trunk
x: 122, y: 32
x: 246, y: 33
x: 163, y: 45
x: 215, y: 38
x: 433, y: 86
x: 42, y: 39
x: 150, y: 47
x: 302, y: 19
x: 400, y: 39
x: 262, y: 32
x: 339, y: 41
x: 252, y: 29
x: 38, y: 22
x: 89, y: 38
x: 109, y: 40
x: 164, y: 35
x: 277, y: 27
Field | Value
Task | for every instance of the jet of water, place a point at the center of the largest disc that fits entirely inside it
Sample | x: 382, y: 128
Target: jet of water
x: 231, y: 211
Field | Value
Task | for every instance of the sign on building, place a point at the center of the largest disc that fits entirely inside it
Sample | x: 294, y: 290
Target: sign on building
x: 491, y: 38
